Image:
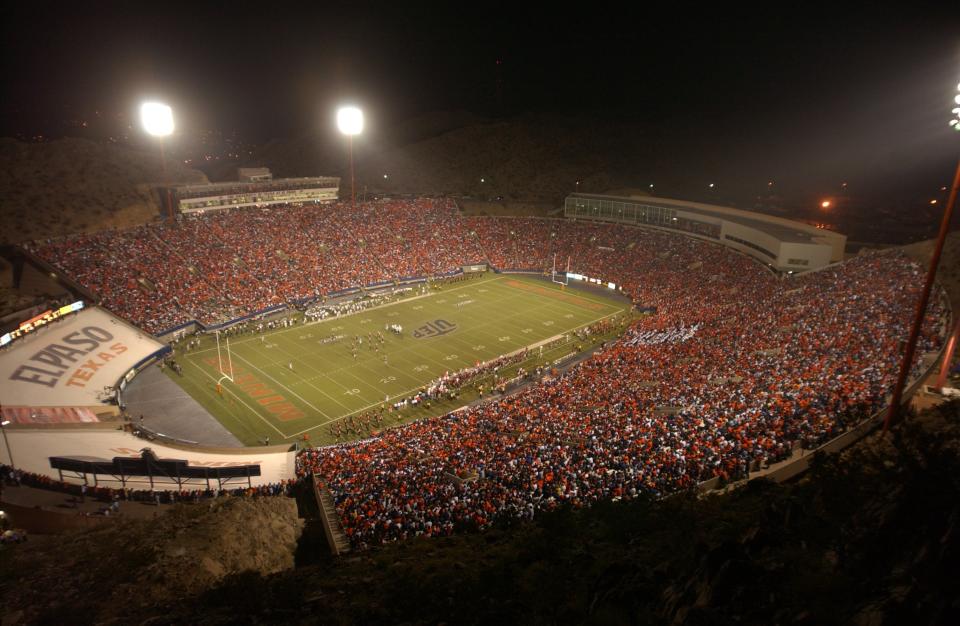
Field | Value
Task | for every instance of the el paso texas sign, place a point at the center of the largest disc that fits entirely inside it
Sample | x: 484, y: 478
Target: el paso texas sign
x: 68, y: 362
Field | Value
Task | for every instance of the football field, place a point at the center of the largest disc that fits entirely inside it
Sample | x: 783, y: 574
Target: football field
x: 299, y: 380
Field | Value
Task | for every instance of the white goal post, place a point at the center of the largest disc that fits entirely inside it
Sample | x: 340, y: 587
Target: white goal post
x: 564, y: 276
x: 223, y: 373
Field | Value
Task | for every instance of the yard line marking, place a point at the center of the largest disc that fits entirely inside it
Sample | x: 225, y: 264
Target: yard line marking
x: 292, y: 392
x: 300, y: 379
x: 417, y: 388
x: 232, y: 393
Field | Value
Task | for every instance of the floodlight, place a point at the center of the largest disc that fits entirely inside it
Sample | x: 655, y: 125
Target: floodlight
x: 157, y: 118
x: 350, y: 120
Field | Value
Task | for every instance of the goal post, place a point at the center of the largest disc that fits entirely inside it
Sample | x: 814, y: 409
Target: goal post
x: 220, y: 360
x: 563, y: 278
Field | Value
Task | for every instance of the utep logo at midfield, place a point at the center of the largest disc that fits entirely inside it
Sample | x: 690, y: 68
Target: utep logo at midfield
x: 434, y: 329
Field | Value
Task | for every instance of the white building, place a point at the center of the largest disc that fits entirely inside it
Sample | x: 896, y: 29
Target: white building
x: 783, y: 244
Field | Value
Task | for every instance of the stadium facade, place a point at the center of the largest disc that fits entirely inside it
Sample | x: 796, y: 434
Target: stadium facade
x: 256, y: 191
x: 782, y: 244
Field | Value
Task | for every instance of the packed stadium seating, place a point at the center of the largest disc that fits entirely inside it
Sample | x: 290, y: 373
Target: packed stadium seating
x: 769, y: 368
x: 735, y: 366
x: 218, y: 266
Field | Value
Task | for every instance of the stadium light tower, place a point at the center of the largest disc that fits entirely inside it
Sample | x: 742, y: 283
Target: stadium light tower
x: 350, y: 123
x: 955, y: 120
x: 893, y: 413
x: 157, y: 121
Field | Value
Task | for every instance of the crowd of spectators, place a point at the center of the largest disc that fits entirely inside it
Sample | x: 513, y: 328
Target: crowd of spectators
x: 734, y: 367
x: 221, y: 265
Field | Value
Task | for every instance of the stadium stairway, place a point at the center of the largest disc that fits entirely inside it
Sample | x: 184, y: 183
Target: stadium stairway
x: 339, y: 544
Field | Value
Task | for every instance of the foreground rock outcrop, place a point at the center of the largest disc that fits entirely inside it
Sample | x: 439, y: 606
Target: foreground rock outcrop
x: 133, y: 565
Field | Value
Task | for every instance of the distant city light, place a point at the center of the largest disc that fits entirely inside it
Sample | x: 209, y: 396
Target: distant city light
x: 157, y: 118
x: 483, y: 180
x: 933, y: 201
x: 826, y: 204
x: 710, y: 185
x: 350, y: 120
x: 385, y: 176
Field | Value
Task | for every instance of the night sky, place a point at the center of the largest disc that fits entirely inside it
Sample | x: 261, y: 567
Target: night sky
x: 810, y: 96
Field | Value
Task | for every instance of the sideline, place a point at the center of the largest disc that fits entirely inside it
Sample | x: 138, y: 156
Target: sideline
x: 295, y: 327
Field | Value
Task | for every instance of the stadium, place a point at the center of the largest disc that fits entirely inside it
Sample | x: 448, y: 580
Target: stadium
x: 402, y: 314
x: 434, y: 372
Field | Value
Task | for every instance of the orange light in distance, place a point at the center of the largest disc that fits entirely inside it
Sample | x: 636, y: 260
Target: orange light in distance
x: 826, y: 204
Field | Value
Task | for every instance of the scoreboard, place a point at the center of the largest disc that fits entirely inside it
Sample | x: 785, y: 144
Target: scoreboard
x: 34, y: 323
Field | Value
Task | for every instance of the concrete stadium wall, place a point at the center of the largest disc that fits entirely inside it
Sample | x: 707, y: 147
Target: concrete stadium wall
x: 32, y: 448
x: 817, y: 255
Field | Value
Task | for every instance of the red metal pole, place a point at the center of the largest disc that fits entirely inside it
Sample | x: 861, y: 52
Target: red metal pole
x: 353, y: 196
x: 948, y: 355
x: 894, y: 413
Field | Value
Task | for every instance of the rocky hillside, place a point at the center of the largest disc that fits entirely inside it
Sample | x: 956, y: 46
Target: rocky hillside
x: 534, y: 158
x: 132, y: 566
x: 75, y: 185
x: 521, y: 159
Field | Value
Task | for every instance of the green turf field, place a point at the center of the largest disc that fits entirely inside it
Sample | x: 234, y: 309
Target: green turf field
x: 447, y: 330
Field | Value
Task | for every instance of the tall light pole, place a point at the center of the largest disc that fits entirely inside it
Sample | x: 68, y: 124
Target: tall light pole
x: 350, y: 123
x: 893, y: 414
x: 157, y: 121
